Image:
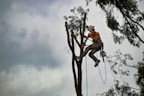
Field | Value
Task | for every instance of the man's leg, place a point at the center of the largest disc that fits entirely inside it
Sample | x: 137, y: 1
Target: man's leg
x: 87, y: 49
x: 91, y: 54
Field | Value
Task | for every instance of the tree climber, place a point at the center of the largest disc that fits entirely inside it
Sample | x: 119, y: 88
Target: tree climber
x: 95, y: 46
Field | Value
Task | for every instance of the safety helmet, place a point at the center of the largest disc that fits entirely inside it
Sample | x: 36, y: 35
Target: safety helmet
x: 90, y: 27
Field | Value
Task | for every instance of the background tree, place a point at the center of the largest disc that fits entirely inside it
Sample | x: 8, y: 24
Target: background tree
x: 131, y: 23
x: 127, y: 28
x: 121, y: 90
x: 117, y: 61
x: 140, y: 76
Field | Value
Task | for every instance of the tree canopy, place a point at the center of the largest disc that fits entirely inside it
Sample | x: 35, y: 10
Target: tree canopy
x: 131, y: 23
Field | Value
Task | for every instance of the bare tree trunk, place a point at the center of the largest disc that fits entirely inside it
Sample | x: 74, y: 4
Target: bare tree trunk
x: 71, y: 39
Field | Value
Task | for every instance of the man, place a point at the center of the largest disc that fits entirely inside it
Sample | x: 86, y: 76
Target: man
x: 95, y: 46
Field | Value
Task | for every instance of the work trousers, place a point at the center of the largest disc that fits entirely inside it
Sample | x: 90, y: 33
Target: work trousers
x: 93, y: 48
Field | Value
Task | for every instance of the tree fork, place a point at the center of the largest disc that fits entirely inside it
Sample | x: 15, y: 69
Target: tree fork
x: 71, y: 39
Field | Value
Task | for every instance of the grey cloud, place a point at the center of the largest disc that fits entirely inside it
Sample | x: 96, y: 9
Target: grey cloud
x: 32, y: 7
x: 29, y: 81
x: 13, y: 51
x: 39, y: 7
x: 4, y: 7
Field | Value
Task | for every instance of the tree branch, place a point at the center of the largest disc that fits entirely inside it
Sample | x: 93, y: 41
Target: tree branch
x: 130, y: 25
x: 136, y: 23
x: 71, y: 46
x: 75, y: 38
x: 74, y: 74
x: 68, y: 36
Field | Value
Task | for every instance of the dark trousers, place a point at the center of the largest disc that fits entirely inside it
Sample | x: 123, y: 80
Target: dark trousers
x: 93, y: 48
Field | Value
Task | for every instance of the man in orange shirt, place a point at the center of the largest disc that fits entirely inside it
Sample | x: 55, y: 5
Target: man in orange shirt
x: 95, y: 46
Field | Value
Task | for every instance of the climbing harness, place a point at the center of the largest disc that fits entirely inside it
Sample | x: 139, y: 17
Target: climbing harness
x: 102, y: 54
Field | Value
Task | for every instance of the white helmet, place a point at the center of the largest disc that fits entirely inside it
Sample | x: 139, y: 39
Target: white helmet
x: 90, y: 27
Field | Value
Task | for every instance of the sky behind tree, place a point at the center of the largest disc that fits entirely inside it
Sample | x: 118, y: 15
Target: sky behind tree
x: 34, y: 56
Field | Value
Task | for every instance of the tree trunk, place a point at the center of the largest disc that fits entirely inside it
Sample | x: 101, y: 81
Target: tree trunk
x: 79, y: 79
x: 71, y: 39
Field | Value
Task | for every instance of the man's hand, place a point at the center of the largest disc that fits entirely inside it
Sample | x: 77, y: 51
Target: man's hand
x: 83, y: 45
x: 86, y: 38
x: 83, y: 35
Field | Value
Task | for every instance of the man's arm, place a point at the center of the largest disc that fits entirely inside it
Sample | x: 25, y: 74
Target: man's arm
x: 83, y: 34
x: 86, y: 38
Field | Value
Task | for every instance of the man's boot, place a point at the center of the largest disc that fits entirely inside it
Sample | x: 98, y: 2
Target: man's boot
x: 96, y: 63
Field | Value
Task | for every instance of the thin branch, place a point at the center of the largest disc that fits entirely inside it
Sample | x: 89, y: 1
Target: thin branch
x: 71, y: 46
x: 124, y: 62
x: 84, y: 22
x: 131, y: 26
x: 134, y: 32
x: 68, y: 36
x: 128, y: 65
x: 82, y: 36
x: 136, y: 23
x: 74, y: 74
x: 75, y: 39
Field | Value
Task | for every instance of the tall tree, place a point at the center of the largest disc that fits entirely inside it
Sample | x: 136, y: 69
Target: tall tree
x: 75, y: 27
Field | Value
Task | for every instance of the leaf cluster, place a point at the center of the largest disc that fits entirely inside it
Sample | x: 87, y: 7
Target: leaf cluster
x: 121, y: 90
x: 132, y: 20
x: 118, y: 61
x: 140, y: 76
x: 75, y: 21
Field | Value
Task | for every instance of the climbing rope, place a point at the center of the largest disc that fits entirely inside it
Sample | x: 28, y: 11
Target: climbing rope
x: 103, y: 79
x: 86, y: 76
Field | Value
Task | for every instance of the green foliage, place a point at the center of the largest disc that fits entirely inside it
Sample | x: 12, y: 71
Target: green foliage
x: 118, y: 38
x: 118, y: 61
x: 132, y: 20
x: 124, y: 90
x: 121, y: 90
x: 112, y: 23
x: 128, y: 33
x: 140, y: 76
x: 75, y: 21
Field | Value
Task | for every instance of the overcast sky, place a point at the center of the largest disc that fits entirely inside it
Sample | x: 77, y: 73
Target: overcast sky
x: 34, y: 56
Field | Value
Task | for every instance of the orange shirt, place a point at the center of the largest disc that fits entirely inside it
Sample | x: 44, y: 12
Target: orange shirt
x: 95, y: 36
